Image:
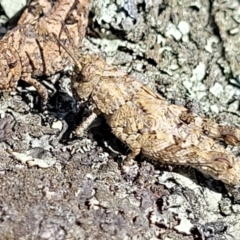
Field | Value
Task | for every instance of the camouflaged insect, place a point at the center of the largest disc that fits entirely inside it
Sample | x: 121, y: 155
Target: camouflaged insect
x: 147, y: 124
x: 27, y: 51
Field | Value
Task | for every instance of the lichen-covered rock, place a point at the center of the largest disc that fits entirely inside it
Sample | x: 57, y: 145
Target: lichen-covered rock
x: 84, y: 195
x: 226, y: 16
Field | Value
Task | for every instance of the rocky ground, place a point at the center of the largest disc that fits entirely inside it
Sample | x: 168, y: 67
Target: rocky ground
x: 57, y: 186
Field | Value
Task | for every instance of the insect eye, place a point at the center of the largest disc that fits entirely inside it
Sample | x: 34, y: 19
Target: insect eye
x: 77, y: 78
x: 13, y: 64
x: 84, y: 79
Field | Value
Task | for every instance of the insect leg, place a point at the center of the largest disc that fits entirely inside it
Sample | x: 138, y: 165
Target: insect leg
x: 231, y: 135
x: 84, y: 125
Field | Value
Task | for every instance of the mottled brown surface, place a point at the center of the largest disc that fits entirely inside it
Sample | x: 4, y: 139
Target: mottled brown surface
x: 146, y: 123
x: 28, y: 51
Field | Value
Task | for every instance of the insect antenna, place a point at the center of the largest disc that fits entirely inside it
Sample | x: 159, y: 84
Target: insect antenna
x: 74, y: 52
